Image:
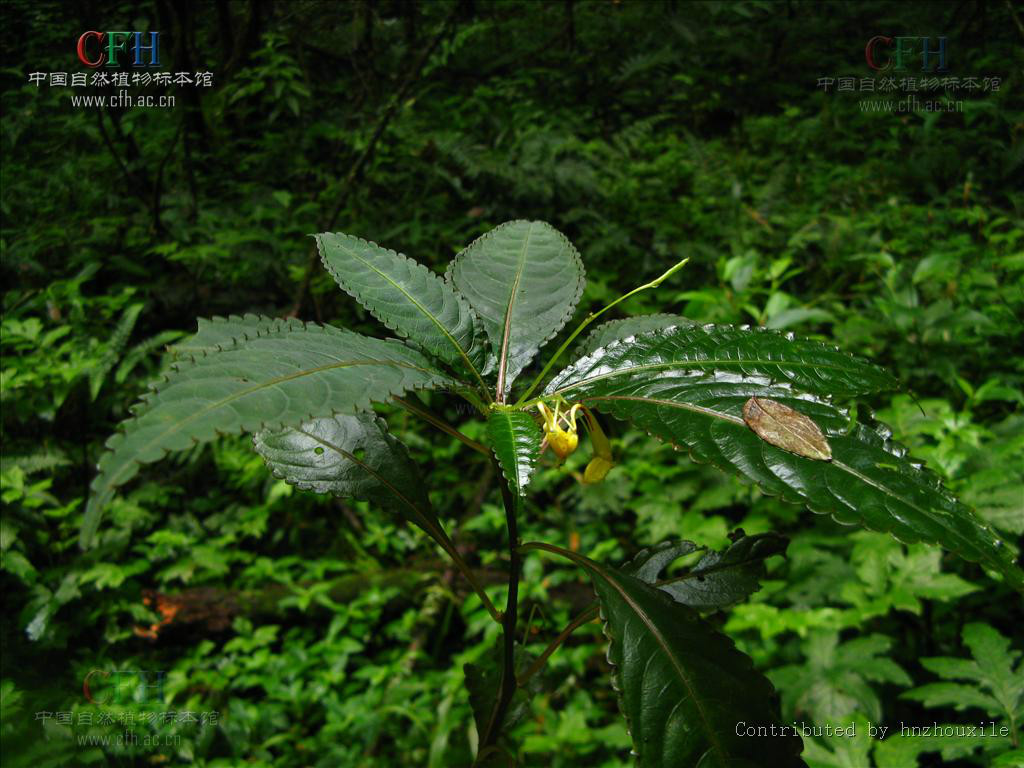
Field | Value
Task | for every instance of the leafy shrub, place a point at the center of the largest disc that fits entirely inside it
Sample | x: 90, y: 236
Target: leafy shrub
x: 751, y: 401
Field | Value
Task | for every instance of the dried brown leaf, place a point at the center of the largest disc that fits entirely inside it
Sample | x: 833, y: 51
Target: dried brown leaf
x: 785, y: 428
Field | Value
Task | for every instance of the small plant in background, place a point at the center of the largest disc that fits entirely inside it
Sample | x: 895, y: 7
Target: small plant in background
x: 989, y: 685
x: 766, y: 406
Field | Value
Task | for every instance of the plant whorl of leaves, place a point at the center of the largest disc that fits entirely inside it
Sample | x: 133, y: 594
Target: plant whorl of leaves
x: 756, y: 403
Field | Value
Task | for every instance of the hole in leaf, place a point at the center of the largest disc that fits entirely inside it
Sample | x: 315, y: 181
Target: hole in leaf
x: 318, y: 450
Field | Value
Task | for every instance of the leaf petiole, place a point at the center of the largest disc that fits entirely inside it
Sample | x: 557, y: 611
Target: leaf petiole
x: 441, y: 424
x: 587, y: 616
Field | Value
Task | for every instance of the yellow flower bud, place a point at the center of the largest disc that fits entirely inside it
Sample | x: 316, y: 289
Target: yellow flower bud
x: 602, y: 462
x: 597, y: 469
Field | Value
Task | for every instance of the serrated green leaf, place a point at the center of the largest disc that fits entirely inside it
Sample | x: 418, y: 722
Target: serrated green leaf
x: 217, y: 334
x: 16, y: 564
x: 951, y: 669
x: 44, y: 460
x: 1014, y: 758
x: 898, y: 577
x: 992, y: 680
x: 624, y: 328
x: 850, y: 750
x: 354, y: 456
x: 1001, y: 667
x: 515, y: 439
x: 281, y: 376
x: 115, y: 347
x: 953, y: 741
x: 407, y: 297
x: 524, y: 279
x: 671, y: 384
x: 952, y: 695
x: 684, y: 687
x: 995, y: 476
x: 834, y: 681
x: 809, y: 366
x: 718, y: 579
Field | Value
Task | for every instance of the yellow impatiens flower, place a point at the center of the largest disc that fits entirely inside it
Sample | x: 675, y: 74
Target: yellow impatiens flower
x: 563, y: 437
x: 562, y: 441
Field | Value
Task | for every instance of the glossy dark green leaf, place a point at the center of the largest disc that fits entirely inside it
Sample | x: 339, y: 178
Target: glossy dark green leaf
x: 684, y: 687
x: 689, y: 350
x: 272, y: 375
x: 718, y: 579
x: 624, y: 328
x: 407, y: 297
x: 515, y: 439
x: 524, y: 279
x: 695, y: 401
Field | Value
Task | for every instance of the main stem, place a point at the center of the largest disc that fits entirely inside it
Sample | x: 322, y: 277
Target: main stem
x: 508, y: 671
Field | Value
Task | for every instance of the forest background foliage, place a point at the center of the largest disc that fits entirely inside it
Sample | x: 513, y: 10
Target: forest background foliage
x: 319, y: 630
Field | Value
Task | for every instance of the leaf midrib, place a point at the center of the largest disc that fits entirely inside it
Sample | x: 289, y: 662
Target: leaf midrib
x: 672, y: 404
x: 695, y: 364
x: 505, y: 339
x: 515, y: 439
x: 506, y: 421
x: 660, y: 639
x: 835, y: 462
x: 412, y: 299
